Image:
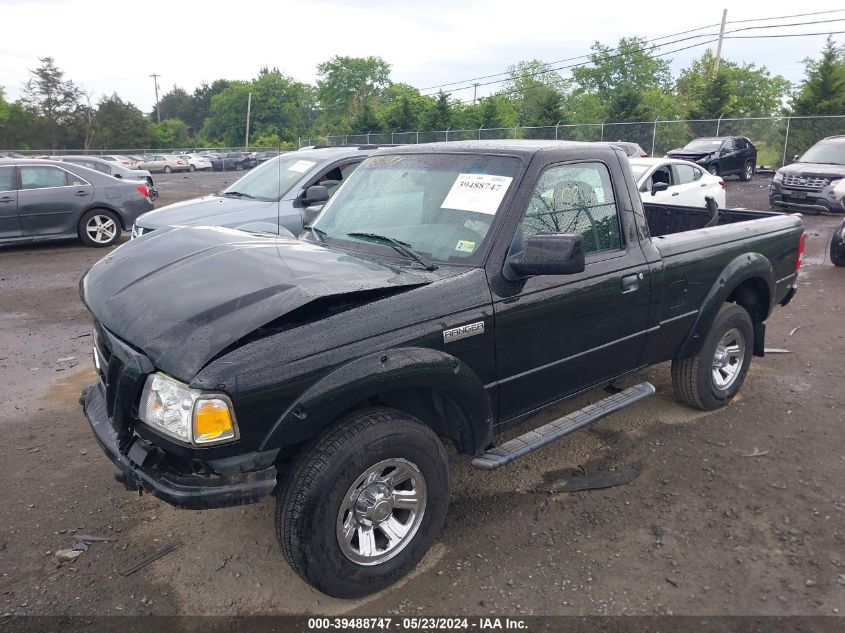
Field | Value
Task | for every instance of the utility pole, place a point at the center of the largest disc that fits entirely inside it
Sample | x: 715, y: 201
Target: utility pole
x: 155, y: 81
x: 719, y: 45
x: 474, y: 88
x: 248, y: 109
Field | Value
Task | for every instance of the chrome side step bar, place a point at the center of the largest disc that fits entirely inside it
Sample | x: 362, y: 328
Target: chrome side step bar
x: 520, y: 446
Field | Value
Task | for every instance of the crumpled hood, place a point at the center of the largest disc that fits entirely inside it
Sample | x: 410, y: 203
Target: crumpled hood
x: 688, y: 155
x: 183, y: 295
x: 205, y: 210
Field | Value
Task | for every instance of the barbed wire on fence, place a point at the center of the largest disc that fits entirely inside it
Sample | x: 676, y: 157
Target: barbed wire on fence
x: 778, y: 139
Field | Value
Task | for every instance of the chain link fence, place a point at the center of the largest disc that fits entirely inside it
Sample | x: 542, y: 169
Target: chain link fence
x: 778, y: 139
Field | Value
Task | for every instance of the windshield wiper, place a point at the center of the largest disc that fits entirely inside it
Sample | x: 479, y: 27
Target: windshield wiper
x: 402, y: 247
x: 238, y: 194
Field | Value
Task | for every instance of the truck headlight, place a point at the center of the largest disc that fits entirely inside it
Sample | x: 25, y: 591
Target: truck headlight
x: 187, y: 414
x: 778, y: 176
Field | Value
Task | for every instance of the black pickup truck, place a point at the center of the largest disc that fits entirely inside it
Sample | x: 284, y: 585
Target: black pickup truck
x: 446, y: 293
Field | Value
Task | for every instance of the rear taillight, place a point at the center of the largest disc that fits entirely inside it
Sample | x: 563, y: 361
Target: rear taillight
x: 143, y: 190
x: 800, y: 259
x: 722, y: 184
x: 643, y: 154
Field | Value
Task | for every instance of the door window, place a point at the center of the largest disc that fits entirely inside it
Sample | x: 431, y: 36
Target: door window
x: 687, y: 174
x: 7, y: 178
x: 575, y: 198
x: 333, y: 178
x: 728, y: 145
x: 102, y: 167
x: 661, y: 174
x: 40, y: 177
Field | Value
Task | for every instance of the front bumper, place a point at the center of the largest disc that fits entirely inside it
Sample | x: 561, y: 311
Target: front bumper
x: 804, y: 201
x: 138, y: 468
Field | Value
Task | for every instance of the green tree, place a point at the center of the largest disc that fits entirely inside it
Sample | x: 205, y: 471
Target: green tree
x: 52, y: 98
x: 171, y: 134
x: 631, y: 65
x: 176, y: 104
x: 120, y: 125
x: 344, y: 84
x: 438, y: 117
x: 737, y: 90
x: 365, y: 120
x: 403, y: 109
x: 536, y: 92
x: 823, y: 89
x: 202, y: 102
x: 17, y: 125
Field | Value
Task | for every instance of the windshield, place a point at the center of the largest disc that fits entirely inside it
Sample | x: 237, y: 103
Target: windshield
x: 704, y: 144
x: 271, y: 180
x: 440, y: 205
x: 639, y: 170
x: 827, y: 153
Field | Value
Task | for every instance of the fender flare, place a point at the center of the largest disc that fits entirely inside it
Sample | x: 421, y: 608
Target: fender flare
x: 740, y: 269
x: 396, y: 369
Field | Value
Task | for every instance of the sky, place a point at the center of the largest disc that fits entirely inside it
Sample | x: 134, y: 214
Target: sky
x: 109, y: 46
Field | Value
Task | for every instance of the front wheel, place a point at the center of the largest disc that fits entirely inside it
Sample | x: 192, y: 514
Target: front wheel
x: 747, y: 172
x: 363, y: 505
x: 837, y: 246
x: 99, y: 228
x: 713, y: 377
x: 714, y: 170
x: 167, y: 169
x: 191, y: 168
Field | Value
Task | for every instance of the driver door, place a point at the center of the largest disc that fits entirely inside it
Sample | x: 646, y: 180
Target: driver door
x: 559, y: 334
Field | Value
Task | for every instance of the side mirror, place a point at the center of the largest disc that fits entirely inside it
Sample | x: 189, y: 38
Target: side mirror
x: 795, y: 158
x: 311, y: 213
x: 659, y: 186
x: 315, y: 194
x: 544, y: 254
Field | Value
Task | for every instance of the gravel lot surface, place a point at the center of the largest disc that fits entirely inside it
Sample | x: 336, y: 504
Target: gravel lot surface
x: 739, y: 511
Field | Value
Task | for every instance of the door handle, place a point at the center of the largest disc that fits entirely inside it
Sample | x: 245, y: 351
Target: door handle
x: 630, y: 283
x: 704, y: 184
x: 7, y: 199
x: 81, y: 193
x: 677, y: 193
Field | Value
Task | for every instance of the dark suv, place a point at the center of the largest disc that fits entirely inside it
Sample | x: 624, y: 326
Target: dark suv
x: 807, y: 184
x: 721, y: 155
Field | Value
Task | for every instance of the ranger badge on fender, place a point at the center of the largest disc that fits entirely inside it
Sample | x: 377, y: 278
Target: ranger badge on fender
x: 456, y: 333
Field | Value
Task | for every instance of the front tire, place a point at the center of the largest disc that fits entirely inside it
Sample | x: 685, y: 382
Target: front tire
x: 167, y: 169
x: 363, y: 505
x: 714, y: 170
x: 710, y: 379
x: 747, y: 172
x: 837, y: 247
x: 99, y: 228
x: 191, y: 168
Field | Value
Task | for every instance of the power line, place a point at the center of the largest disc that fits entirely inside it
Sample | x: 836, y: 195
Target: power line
x: 650, y: 41
x: 604, y: 57
x: 754, y: 37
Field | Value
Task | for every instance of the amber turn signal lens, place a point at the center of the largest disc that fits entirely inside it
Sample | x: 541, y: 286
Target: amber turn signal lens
x: 213, y: 421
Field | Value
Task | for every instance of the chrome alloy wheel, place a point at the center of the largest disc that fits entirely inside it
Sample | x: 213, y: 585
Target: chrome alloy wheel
x: 101, y: 229
x: 728, y: 359
x: 381, y: 512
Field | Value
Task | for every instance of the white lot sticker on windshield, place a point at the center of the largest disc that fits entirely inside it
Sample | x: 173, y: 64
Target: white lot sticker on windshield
x: 302, y: 166
x: 481, y: 193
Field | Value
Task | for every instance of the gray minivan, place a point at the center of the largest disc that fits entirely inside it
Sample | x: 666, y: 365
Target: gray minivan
x: 273, y: 197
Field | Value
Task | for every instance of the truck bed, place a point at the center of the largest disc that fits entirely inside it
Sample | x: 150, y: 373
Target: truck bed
x: 664, y: 219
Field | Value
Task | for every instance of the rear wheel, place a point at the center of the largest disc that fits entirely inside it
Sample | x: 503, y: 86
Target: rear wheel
x: 362, y: 506
x: 837, y: 246
x: 167, y: 169
x: 747, y: 172
x: 712, y: 378
x: 99, y: 228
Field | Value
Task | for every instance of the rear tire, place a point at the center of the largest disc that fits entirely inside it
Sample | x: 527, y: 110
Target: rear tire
x: 336, y: 521
x: 710, y: 379
x: 167, y: 169
x: 837, y: 246
x: 99, y: 228
x: 747, y: 172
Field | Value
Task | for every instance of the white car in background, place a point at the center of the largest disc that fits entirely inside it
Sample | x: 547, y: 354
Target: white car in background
x: 688, y: 184
x: 196, y: 162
